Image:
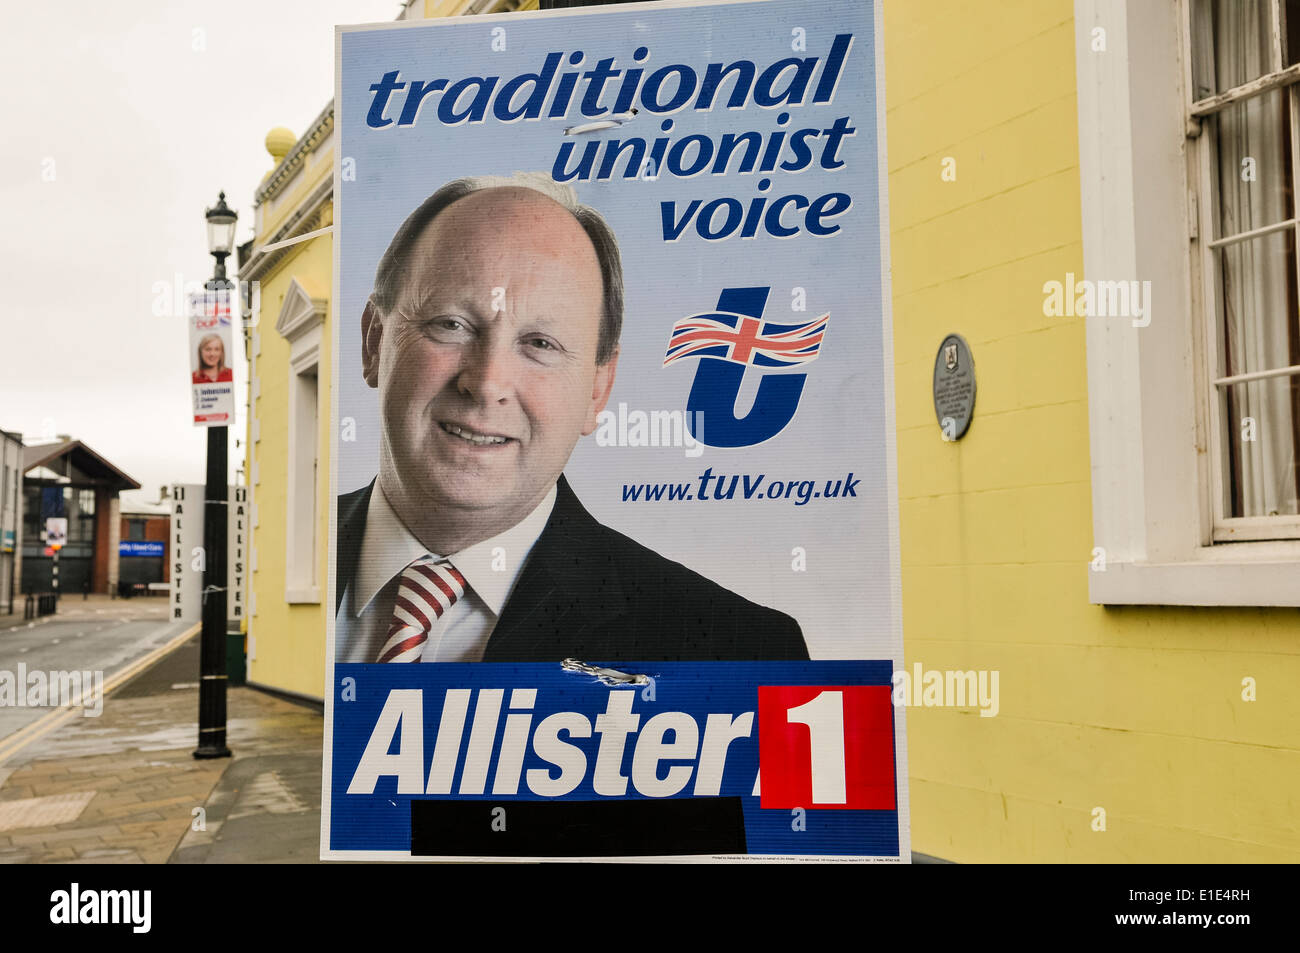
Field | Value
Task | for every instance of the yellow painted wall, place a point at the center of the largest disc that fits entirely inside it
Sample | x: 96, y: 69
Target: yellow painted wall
x: 290, y: 639
x: 1135, y: 710
x: 444, y: 8
x: 455, y: 8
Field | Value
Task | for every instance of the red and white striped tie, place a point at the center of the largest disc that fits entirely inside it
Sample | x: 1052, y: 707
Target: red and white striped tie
x: 428, y: 588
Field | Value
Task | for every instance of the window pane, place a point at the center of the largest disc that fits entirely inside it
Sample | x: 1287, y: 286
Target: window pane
x: 1261, y: 420
x: 32, y: 520
x: 1257, y: 320
x: 81, y: 515
x: 1253, y: 168
x: 1231, y: 44
x: 1291, y: 32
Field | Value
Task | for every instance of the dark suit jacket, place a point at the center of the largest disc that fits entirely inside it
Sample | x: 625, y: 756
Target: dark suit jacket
x: 589, y: 593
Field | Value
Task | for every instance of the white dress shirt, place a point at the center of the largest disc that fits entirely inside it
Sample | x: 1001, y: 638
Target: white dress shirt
x: 490, y: 568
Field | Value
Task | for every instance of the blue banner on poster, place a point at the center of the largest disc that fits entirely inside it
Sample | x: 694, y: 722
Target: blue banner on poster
x: 502, y: 733
x: 140, y: 548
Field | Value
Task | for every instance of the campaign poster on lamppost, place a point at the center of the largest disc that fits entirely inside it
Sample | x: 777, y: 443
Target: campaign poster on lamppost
x: 212, y: 380
x: 56, y: 532
x: 614, y: 550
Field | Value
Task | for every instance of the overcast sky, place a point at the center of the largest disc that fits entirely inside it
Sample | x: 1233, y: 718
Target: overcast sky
x: 121, y: 122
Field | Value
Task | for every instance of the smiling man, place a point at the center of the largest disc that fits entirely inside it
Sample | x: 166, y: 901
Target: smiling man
x: 492, y: 338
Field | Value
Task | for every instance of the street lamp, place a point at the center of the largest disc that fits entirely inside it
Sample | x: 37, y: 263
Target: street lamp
x: 212, y: 649
x: 221, y: 239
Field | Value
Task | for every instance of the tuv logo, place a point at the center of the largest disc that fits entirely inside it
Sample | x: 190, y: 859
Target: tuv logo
x: 729, y: 341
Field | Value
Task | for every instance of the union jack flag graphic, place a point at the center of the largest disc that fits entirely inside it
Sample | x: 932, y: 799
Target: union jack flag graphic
x: 746, y: 340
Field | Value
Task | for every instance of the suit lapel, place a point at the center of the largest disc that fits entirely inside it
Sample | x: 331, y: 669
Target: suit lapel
x: 567, y: 587
x: 351, y: 529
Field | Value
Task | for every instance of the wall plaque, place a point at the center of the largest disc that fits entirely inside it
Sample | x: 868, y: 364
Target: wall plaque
x: 954, y: 387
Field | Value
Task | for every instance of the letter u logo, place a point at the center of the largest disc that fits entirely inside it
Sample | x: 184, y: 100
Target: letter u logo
x: 712, y: 403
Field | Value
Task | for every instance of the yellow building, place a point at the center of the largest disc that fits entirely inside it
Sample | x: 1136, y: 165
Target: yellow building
x: 1097, y: 196
x: 1117, y: 533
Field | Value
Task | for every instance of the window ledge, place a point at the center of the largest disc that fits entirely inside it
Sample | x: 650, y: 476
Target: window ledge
x: 1202, y: 583
x: 308, y: 596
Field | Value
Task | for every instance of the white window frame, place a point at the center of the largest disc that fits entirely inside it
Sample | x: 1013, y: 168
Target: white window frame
x: 1148, y: 389
x: 300, y: 323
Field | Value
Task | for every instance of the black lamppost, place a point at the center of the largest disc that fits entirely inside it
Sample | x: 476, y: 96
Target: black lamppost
x: 212, y: 651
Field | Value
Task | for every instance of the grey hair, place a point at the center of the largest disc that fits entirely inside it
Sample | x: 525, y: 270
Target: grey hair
x: 388, y: 276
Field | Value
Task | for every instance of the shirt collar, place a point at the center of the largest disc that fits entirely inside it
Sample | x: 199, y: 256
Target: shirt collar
x: 388, y: 547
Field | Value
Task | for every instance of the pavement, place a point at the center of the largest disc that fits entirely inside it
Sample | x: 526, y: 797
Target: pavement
x: 124, y: 787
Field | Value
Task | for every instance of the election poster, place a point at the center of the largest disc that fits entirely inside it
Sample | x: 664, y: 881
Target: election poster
x: 614, y: 550
x: 56, y: 532
x: 212, y: 380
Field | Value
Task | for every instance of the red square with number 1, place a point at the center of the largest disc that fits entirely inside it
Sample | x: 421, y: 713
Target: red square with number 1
x: 826, y: 746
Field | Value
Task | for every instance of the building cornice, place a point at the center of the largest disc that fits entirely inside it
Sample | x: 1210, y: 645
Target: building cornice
x: 292, y: 162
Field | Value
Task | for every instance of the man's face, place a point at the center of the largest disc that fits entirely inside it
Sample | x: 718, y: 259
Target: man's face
x: 486, y: 367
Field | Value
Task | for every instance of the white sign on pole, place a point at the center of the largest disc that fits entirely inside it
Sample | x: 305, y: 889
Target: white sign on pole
x: 56, y: 532
x: 186, y: 549
x: 236, y: 535
x: 212, y: 379
x: 187, y: 552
